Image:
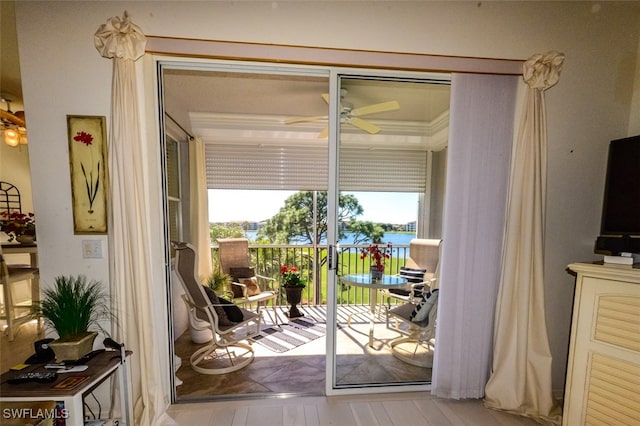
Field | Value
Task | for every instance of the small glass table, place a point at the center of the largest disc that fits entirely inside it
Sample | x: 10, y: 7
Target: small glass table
x: 364, y: 280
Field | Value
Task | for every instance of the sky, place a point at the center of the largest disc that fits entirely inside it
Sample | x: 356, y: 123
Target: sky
x: 255, y: 206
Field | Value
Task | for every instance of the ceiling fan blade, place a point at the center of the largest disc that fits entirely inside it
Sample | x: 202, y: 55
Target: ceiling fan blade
x: 364, y: 125
x: 325, y: 96
x: 374, y: 108
x: 291, y: 120
x: 5, y: 115
x: 324, y: 133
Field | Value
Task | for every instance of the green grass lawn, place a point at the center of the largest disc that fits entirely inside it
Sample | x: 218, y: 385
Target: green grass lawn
x: 350, y: 262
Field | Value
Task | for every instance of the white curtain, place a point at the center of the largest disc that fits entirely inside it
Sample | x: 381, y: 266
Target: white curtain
x: 199, y: 220
x: 521, y: 378
x: 481, y: 137
x: 130, y: 237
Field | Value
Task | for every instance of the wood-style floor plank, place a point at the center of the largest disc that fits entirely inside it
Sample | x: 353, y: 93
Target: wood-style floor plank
x: 335, y: 412
x: 222, y: 416
x: 311, y: 415
x: 261, y: 416
x: 358, y: 410
x: 293, y: 415
x: 431, y: 411
x: 240, y: 416
x: 364, y: 415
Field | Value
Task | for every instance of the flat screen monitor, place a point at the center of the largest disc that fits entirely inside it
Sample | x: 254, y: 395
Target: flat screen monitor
x: 620, y: 226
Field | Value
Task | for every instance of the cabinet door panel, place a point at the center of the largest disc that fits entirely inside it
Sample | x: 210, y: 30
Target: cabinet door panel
x: 603, y: 375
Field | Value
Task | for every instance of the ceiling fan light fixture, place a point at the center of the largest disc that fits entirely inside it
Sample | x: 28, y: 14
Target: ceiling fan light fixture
x: 23, y: 139
x: 14, y: 125
x: 11, y: 137
x: 15, y: 136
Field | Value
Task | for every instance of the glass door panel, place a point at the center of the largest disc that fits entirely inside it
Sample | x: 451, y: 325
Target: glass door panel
x: 391, y: 143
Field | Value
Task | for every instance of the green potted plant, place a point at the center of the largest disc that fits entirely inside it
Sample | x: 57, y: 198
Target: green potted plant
x: 218, y: 280
x: 293, y: 285
x: 18, y: 226
x: 73, y: 307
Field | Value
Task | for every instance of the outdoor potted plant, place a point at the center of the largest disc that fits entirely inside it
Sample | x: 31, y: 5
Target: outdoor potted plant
x: 18, y: 226
x: 293, y: 285
x: 377, y: 256
x: 73, y: 308
x: 218, y: 280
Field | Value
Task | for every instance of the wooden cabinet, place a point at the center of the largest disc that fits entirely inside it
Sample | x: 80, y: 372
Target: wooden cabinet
x: 603, y: 372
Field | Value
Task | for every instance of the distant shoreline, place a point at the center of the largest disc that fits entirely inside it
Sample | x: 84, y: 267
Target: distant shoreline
x: 393, y: 237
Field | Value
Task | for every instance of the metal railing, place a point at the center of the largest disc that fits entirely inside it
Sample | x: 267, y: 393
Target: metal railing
x: 311, y: 261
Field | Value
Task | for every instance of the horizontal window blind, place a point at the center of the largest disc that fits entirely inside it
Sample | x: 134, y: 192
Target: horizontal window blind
x: 238, y: 166
x: 383, y: 170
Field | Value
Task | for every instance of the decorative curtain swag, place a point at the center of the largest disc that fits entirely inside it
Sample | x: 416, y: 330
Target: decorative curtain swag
x: 120, y: 38
x: 542, y: 71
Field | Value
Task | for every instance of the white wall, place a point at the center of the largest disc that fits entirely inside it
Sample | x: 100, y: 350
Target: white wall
x: 63, y: 74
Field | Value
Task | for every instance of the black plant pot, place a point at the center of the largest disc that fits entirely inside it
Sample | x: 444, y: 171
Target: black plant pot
x: 294, y: 297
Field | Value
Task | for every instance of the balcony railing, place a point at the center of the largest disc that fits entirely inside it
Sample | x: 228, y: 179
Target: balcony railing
x: 312, y: 262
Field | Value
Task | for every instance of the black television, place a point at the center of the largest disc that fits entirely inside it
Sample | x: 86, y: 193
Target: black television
x: 620, y: 226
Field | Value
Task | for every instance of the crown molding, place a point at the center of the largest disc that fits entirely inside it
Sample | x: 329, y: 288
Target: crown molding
x: 248, y: 129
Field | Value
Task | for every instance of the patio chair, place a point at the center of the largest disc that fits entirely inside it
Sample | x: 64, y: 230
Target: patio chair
x: 420, y: 271
x: 417, y: 345
x: 16, y: 311
x: 247, y: 286
x: 227, y: 351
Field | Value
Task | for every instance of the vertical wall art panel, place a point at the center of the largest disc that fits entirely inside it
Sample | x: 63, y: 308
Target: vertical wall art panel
x: 88, y: 160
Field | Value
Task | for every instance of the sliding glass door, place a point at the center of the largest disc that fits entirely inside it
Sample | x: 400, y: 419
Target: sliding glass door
x: 388, y: 155
x: 368, y: 148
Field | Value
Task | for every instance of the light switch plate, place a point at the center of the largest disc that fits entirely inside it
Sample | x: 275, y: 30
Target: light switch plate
x: 91, y: 249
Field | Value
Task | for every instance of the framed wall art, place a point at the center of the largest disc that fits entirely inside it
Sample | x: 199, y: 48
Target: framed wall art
x: 88, y: 165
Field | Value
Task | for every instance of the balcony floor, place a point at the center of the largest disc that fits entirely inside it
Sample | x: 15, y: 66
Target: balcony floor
x: 302, y: 370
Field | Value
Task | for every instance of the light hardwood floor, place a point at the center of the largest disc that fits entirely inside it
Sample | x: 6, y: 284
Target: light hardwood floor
x: 402, y: 409
x: 367, y: 410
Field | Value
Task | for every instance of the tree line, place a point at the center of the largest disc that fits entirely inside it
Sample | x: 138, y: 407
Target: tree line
x: 295, y: 222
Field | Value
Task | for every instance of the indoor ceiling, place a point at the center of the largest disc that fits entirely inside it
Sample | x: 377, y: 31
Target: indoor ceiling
x: 12, y: 117
x: 226, y: 106
x: 10, y: 84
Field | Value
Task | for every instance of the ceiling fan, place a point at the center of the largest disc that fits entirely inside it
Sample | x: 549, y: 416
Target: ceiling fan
x: 350, y: 115
x: 13, y: 125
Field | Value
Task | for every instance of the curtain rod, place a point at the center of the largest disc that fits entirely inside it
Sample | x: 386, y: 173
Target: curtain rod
x: 324, y: 56
x: 191, y: 137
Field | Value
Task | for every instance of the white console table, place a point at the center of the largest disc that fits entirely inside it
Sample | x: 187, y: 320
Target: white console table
x: 603, y: 372
x: 100, y: 368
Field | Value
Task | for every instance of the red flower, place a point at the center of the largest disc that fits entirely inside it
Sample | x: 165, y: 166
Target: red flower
x: 84, y: 138
x: 15, y: 224
x: 291, y: 276
x: 377, y: 255
x: 91, y: 187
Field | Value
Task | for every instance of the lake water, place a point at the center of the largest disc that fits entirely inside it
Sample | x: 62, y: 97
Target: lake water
x: 395, y: 238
